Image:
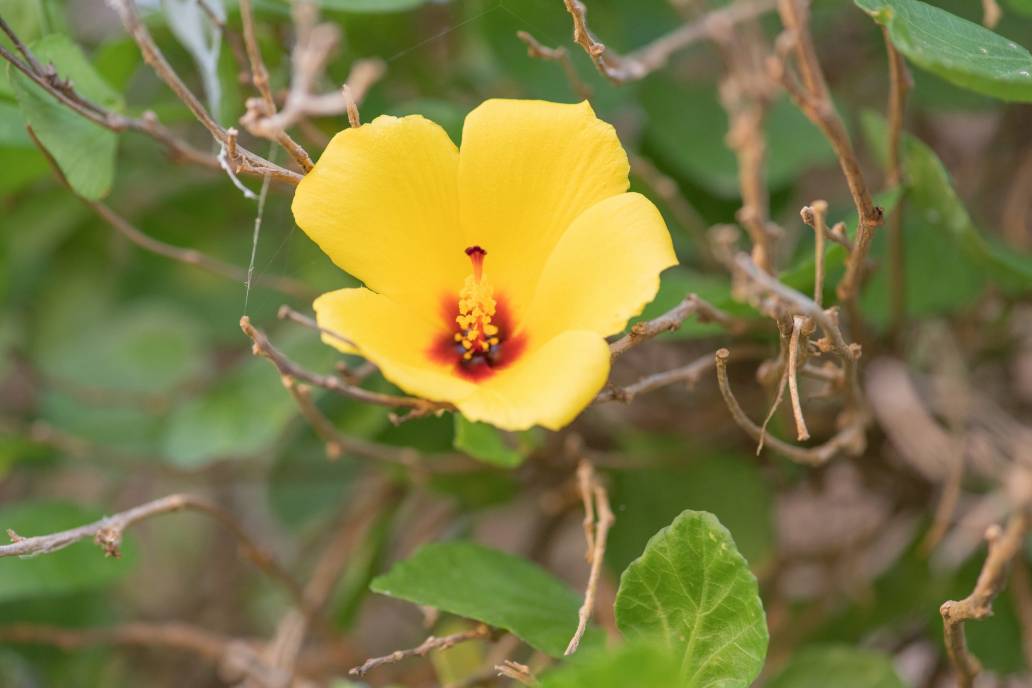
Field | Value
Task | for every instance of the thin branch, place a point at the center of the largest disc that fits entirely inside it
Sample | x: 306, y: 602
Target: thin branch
x: 621, y: 69
x: 991, y: 13
x: 429, y: 645
x: 1004, y: 546
x: 260, y: 78
x: 673, y: 319
x: 813, y: 98
x: 688, y: 374
x: 107, y: 533
x: 559, y: 55
x: 243, y: 160
x: 815, y: 215
x: 900, y: 84
x: 264, y: 348
x: 798, y: 324
x: 597, y: 509
x: 849, y: 440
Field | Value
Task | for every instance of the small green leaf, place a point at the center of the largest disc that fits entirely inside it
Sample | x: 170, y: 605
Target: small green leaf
x: 496, y: 588
x: 78, y: 567
x: 84, y: 151
x: 956, y: 49
x: 636, y: 664
x: 851, y: 668
x: 484, y: 442
x: 693, y: 591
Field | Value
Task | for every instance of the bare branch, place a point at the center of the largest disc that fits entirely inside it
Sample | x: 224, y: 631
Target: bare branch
x: 264, y: 348
x: 672, y: 320
x: 798, y: 323
x: 598, y: 519
x: 244, y: 161
x: 849, y: 440
x: 543, y: 52
x: 621, y: 69
x: 107, y: 533
x: 1004, y: 546
x: 423, y: 649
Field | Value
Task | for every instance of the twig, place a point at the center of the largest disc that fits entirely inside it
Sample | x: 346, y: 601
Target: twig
x: 199, y: 641
x: 1004, y: 546
x: 850, y: 439
x: 260, y: 78
x: 520, y: 673
x: 264, y: 348
x: 688, y: 374
x: 597, y: 509
x: 815, y: 215
x: 991, y: 13
x: 107, y: 533
x: 813, y: 98
x: 672, y: 320
x: 423, y: 649
x: 243, y: 160
x: 798, y: 323
x: 188, y: 256
x: 559, y: 54
x: 621, y: 69
x: 899, y: 86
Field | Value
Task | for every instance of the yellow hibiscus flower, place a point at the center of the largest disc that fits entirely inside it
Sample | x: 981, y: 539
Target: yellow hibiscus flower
x: 493, y: 274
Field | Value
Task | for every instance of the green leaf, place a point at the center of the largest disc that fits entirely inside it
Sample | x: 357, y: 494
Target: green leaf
x: 486, y: 443
x: 499, y: 589
x: 78, y: 567
x: 851, y: 668
x: 84, y: 151
x: 956, y: 49
x: 693, y: 591
x: 634, y: 664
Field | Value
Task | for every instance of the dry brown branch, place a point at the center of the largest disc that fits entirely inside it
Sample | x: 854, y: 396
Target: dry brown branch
x: 175, y: 636
x: 621, y: 69
x: 813, y: 98
x: 264, y: 348
x: 1022, y: 594
x: 423, y: 649
x: 815, y: 215
x: 899, y: 86
x: 107, y: 533
x: 849, y: 440
x: 598, y: 519
x: 543, y: 52
x: 798, y: 324
x: 672, y: 320
x: 1004, y: 546
x: 314, y: 45
x: 260, y: 78
x: 240, y: 160
x: 520, y: 673
x: 688, y: 374
x: 991, y: 13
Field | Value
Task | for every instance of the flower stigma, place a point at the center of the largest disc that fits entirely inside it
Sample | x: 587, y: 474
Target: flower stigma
x: 477, y: 335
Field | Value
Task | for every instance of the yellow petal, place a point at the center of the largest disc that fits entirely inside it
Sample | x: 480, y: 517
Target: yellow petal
x: 396, y: 338
x: 547, y: 386
x: 526, y: 169
x: 382, y: 204
x: 604, y: 269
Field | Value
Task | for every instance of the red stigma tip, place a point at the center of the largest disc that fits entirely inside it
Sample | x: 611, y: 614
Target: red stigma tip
x: 476, y: 256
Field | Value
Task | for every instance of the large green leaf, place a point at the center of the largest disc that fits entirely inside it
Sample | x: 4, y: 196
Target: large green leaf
x: 84, y: 151
x: 75, y: 568
x: 694, y: 591
x: 851, y: 668
x: 956, y: 49
x: 635, y: 664
x: 496, y: 588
